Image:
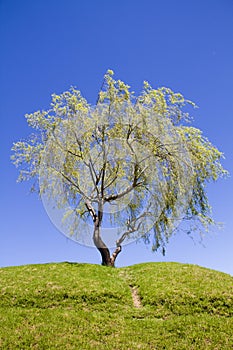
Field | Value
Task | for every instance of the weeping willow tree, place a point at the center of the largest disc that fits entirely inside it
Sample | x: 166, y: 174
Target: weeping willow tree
x: 127, y: 168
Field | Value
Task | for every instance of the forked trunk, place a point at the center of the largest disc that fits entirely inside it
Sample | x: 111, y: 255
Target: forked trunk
x: 107, y: 259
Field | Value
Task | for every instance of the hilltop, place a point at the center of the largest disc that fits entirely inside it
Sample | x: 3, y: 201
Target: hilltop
x: 145, y: 306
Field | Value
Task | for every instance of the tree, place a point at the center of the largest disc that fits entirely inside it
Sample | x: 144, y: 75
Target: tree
x: 128, y: 168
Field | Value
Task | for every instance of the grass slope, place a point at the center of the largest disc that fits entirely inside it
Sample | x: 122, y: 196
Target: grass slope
x: 82, y: 306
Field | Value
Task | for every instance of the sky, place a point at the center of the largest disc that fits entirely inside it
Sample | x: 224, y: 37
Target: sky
x: 49, y: 45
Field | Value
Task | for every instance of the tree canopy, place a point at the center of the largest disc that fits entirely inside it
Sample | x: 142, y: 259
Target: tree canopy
x: 126, y: 168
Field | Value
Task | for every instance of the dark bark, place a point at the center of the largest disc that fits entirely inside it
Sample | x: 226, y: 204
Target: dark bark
x: 101, y: 246
x: 107, y: 259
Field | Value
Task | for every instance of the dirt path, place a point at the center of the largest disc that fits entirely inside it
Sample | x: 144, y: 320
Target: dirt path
x: 136, y: 299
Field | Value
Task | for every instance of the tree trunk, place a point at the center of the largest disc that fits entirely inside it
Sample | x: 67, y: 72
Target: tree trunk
x: 101, y: 246
x: 107, y: 259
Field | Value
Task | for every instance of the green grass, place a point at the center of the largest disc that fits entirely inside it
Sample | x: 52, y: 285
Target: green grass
x: 82, y: 306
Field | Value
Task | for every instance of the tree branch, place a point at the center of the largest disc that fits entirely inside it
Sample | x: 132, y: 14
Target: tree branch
x: 91, y: 210
x: 65, y: 149
x: 123, y: 193
x: 94, y: 180
x: 73, y: 184
x: 111, y: 182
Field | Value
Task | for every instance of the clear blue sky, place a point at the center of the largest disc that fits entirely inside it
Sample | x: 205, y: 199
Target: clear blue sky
x: 48, y: 45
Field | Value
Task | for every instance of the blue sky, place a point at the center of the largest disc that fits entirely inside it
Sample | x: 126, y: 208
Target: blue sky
x: 49, y: 45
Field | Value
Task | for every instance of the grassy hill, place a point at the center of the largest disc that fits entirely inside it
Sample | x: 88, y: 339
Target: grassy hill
x: 145, y: 306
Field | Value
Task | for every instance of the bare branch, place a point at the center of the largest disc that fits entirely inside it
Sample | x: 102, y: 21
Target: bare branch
x: 91, y: 210
x: 104, y: 165
x: 72, y: 183
x: 111, y: 182
x: 64, y: 148
x: 132, y: 227
x: 102, y: 180
x: 94, y: 180
x: 123, y: 193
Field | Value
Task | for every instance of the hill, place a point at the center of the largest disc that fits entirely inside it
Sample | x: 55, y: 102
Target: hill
x: 145, y: 306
